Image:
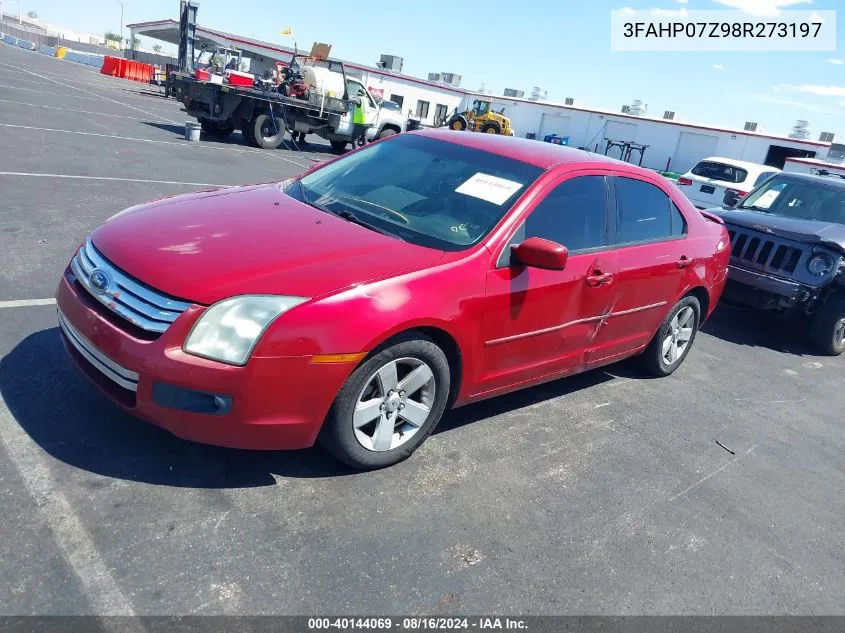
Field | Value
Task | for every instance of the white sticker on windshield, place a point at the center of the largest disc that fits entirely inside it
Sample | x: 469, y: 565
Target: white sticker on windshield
x: 489, y: 188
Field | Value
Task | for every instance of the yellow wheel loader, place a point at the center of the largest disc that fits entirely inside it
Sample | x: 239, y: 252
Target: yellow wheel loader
x: 481, y: 118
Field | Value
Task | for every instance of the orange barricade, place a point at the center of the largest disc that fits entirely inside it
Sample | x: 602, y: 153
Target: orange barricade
x: 109, y: 66
x: 121, y: 68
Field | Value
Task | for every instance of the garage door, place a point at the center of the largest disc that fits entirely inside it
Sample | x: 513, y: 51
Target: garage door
x: 553, y: 124
x: 619, y: 131
x: 692, y: 147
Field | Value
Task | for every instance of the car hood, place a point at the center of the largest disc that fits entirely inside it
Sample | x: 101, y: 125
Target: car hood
x: 809, y: 231
x: 208, y: 246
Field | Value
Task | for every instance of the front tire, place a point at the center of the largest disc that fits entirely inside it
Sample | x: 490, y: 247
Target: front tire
x: 387, y: 132
x: 673, y: 339
x: 491, y: 128
x: 339, y: 146
x: 389, y: 405
x: 828, y: 328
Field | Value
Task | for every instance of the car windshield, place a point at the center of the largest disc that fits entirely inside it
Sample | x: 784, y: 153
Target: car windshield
x: 425, y: 191
x: 806, y: 200
x: 719, y: 171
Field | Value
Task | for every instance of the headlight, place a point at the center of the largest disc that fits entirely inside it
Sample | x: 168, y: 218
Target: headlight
x: 820, y: 264
x: 229, y: 330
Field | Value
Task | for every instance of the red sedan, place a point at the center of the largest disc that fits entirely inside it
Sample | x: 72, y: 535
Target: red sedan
x: 357, y: 302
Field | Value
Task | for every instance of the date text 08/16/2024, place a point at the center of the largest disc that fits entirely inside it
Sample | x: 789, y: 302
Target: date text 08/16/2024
x: 416, y: 624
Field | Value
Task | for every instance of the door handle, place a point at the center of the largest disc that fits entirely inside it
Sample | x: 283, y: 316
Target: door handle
x: 684, y: 261
x: 594, y: 281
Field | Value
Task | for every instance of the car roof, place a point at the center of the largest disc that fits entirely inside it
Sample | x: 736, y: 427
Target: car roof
x: 738, y: 163
x: 823, y: 180
x: 537, y: 153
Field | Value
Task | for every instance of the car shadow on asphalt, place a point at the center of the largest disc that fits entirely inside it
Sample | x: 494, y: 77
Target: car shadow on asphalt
x: 755, y: 328
x: 69, y: 419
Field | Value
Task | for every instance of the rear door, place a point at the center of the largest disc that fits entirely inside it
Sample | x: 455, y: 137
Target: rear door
x: 654, y: 255
x: 541, y: 322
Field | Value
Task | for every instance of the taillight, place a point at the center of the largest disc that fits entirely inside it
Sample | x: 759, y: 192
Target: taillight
x: 684, y: 182
x: 736, y: 192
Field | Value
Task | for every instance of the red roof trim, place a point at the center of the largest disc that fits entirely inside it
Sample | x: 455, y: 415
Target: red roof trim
x: 815, y: 163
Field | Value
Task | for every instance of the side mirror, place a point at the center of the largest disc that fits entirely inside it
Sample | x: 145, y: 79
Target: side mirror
x: 539, y: 253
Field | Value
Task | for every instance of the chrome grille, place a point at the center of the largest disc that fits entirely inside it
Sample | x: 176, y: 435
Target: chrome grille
x: 763, y: 251
x: 130, y: 299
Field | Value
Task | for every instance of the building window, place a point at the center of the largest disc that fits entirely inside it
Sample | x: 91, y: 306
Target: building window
x: 397, y: 99
x: 422, y: 109
x: 440, y: 112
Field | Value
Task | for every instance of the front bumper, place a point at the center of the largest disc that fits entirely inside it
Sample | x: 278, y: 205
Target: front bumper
x: 760, y: 290
x: 270, y: 403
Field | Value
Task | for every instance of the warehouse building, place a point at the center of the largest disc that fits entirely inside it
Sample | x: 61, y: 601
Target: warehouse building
x: 666, y: 143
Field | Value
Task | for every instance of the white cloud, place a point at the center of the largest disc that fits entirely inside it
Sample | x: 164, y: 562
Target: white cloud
x: 836, y: 61
x: 822, y: 91
x: 815, y: 17
x: 808, y: 107
x: 681, y: 1
x: 718, y: 66
x: 670, y: 13
x: 626, y: 11
x: 764, y: 8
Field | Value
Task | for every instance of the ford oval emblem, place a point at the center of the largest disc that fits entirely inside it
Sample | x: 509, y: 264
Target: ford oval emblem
x: 100, y: 280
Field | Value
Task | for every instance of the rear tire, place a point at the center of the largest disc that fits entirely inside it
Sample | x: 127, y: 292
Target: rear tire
x: 267, y: 134
x: 339, y: 146
x: 828, y: 328
x: 387, y: 132
x: 674, y: 338
x: 374, y: 422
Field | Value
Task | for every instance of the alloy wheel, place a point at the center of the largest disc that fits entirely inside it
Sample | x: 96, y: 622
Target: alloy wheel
x: 679, y: 335
x: 394, y: 404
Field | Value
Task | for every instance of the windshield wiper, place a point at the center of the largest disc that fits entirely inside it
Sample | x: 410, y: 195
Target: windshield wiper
x: 348, y: 215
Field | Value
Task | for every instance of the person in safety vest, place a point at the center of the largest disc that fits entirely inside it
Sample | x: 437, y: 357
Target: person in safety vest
x: 359, y: 119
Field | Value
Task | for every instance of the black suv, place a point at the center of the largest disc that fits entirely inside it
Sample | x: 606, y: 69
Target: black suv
x: 788, y: 252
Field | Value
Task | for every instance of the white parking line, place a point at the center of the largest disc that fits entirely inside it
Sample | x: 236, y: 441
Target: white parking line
x: 109, y: 178
x: 25, y: 303
x: 147, y: 140
x: 72, y: 87
x: 70, y: 535
x: 68, y: 96
x: 38, y: 105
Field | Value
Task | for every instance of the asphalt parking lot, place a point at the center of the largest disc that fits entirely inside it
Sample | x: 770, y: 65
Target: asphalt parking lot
x: 606, y: 493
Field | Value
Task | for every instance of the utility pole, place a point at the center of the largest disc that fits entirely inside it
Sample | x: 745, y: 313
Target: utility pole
x: 121, y: 21
x: 20, y: 13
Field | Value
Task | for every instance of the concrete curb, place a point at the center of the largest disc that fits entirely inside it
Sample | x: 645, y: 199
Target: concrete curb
x: 47, y: 50
x: 26, y: 45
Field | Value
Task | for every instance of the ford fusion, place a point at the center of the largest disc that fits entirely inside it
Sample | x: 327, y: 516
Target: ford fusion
x: 353, y: 305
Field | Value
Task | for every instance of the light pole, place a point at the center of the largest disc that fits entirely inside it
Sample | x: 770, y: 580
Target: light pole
x: 20, y: 13
x: 121, y: 22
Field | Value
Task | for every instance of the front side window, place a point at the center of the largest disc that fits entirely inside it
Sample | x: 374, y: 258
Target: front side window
x: 645, y: 213
x: 425, y: 191
x: 720, y: 171
x: 572, y: 214
x: 802, y: 199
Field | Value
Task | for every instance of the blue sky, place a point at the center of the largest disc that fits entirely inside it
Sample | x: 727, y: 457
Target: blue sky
x: 561, y: 45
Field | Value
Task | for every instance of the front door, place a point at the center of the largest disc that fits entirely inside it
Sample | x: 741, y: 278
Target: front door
x: 541, y: 322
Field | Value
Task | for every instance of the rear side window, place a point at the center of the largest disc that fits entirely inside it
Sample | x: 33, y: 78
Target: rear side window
x: 763, y: 176
x: 572, y: 214
x: 645, y: 213
x: 720, y: 171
